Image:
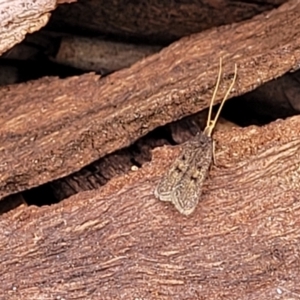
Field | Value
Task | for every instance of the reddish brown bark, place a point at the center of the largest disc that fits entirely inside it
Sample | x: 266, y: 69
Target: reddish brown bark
x: 18, y: 18
x: 51, y: 128
x: 154, y: 20
x: 118, y: 242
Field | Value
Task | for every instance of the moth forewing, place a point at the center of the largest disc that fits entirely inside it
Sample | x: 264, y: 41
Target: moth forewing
x: 176, y: 171
x: 187, y: 193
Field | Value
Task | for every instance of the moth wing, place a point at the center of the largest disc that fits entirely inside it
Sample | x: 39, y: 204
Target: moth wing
x: 187, y: 193
x: 164, y: 189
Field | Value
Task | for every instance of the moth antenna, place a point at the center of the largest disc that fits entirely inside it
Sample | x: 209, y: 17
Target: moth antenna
x: 212, y: 123
x: 208, y: 123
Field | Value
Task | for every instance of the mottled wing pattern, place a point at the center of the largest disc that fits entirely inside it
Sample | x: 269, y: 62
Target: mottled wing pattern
x: 182, y: 183
x: 188, y: 191
x: 176, y: 171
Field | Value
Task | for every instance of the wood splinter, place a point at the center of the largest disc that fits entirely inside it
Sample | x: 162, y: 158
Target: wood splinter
x: 182, y: 183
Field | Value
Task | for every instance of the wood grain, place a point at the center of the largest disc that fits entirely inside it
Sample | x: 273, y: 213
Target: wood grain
x: 154, y: 21
x: 50, y: 128
x: 21, y: 17
x: 242, y: 242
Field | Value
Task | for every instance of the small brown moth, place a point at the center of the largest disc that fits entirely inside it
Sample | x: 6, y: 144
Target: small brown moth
x: 182, y: 183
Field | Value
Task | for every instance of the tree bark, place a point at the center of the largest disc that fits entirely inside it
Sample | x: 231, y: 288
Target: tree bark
x: 51, y: 128
x: 93, y: 54
x: 119, y: 242
x: 21, y: 17
x: 153, y: 21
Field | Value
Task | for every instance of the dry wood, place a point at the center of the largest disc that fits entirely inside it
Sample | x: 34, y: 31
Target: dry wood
x: 242, y: 242
x: 124, y: 160
x: 65, y: 1
x: 154, y: 20
x: 18, y: 18
x: 50, y: 128
x: 100, y: 55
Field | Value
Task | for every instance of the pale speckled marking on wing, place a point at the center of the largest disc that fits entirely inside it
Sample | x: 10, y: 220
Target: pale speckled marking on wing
x: 187, y: 192
x: 178, y: 168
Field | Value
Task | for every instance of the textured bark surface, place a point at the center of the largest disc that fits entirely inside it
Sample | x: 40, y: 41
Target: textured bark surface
x: 154, y: 20
x: 119, y: 242
x: 19, y: 17
x: 50, y: 128
x: 101, y: 56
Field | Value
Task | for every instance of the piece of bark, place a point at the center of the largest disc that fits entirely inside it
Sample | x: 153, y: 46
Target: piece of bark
x: 65, y: 1
x: 21, y: 17
x: 100, y: 55
x: 51, y: 128
x: 122, y: 161
x: 154, y: 21
x: 242, y: 242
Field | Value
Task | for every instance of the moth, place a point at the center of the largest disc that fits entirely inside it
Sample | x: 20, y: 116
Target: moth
x: 182, y: 183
